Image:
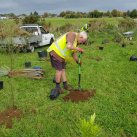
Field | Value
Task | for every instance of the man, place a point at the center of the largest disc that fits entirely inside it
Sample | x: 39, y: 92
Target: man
x: 61, y: 50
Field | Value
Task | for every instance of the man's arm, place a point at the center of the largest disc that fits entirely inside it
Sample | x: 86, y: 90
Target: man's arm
x: 71, y: 47
x: 70, y: 41
x: 75, y: 57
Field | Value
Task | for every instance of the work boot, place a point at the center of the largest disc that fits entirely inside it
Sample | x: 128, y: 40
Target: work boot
x: 53, y: 94
x: 60, y: 90
x: 68, y: 87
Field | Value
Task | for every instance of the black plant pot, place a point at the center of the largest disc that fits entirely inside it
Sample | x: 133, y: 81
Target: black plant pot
x: 27, y: 64
x: 123, y: 45
x: 42, y: 54
x: 133, y: 58
x: 1, y: 84
x: 101, y: 48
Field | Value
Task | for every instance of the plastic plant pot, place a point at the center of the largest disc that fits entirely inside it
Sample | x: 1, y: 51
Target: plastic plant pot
x: 42, y: 54
x: 101, y: 48
x: 27, y: 64
x: 1, y: 85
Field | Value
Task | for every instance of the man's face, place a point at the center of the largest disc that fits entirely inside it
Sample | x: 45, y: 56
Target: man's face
x: 81, y: 40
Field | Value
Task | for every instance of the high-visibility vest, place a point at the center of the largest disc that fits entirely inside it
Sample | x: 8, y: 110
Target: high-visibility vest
x: 60, y: 47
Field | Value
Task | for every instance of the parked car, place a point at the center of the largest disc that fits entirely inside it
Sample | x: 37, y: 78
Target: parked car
x: 38, y: 37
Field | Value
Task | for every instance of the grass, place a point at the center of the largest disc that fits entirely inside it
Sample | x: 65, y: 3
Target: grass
x: 114, y: 78
x: 62, y: 21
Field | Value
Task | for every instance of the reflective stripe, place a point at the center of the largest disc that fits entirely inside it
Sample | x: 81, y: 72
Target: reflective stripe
x: 49, y: 49
x: 60, y: 47
x: 63, y: 52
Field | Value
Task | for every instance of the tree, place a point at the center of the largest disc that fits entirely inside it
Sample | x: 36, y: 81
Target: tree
x: 30, y: 19
x: 35, y: 13
x: 133, y: 13
x: 95, y: 14
x: 108, y: 14
x: 45, y: 15
x: 62, y: 14
x: 114, y: 13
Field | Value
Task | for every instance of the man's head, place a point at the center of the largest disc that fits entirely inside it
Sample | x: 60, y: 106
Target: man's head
x: 82, y: 37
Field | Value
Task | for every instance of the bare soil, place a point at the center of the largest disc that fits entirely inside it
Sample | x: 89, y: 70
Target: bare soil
x: 7, y: 116
x: 76, y: 95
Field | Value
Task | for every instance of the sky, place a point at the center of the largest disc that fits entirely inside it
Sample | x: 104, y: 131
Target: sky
x: 56, y: 6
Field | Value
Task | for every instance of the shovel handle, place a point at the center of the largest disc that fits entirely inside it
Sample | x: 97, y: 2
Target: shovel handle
x: 79, y: 57
x: 79, y: 71
x: 79, y: 65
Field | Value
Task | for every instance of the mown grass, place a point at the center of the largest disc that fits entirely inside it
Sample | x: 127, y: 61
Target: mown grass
x: 114, y: 78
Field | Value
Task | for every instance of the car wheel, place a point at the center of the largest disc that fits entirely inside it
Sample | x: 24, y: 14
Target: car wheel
x: 24, y: 50
x: 31, y: 49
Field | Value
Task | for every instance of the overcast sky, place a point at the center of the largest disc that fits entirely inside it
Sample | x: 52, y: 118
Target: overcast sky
x: 57, y: 6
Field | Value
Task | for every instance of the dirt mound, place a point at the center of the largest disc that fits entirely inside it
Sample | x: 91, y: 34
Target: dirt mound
x: 7, y: 116
x: 76, y: 95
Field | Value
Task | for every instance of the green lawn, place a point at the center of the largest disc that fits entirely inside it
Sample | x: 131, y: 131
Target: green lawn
x: 114, y: 78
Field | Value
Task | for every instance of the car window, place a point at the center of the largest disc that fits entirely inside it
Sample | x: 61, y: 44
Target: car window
x: 43, y: 30
x: 30, y: 29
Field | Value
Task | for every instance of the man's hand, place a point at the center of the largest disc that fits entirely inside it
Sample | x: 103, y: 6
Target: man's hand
x: 80, y: 63
x: 80, y: 50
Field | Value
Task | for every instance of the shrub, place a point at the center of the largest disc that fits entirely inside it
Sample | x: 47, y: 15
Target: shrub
x: 127, y: 24
x: 30, y: 19
x: 65, y: 28
x: 97, y: 25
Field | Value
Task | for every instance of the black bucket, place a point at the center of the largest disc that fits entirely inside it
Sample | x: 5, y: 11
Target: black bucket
x: 27, y: 64
x: 54, y: 94
x: 1, y: 84
x: 42, y: 54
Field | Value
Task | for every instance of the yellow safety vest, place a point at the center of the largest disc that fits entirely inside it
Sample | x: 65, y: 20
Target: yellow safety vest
x: 60, y: 47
